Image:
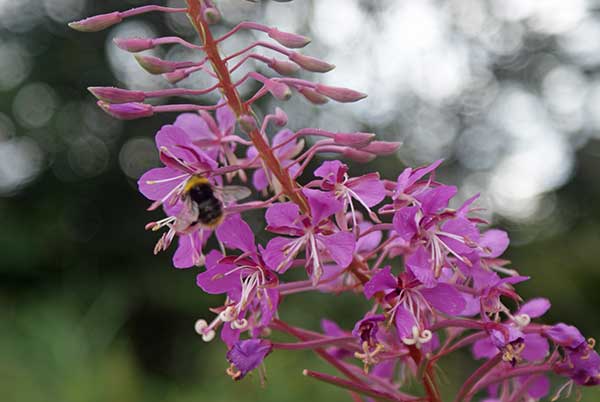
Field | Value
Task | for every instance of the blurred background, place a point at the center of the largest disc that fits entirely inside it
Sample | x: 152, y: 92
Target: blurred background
x: 507, y: 92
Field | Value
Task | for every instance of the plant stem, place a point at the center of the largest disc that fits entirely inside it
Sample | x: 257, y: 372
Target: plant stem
x: 232, y: 97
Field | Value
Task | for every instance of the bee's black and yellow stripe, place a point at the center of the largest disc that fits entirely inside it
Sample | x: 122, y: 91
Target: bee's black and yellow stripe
x: 200, y: 191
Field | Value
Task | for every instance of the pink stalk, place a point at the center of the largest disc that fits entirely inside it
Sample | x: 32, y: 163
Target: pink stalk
x: 476, y: 376
x: 318, y: 343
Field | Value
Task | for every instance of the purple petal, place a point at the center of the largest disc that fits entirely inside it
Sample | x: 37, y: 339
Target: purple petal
x: 156, y: 183
x: 565, y: 335
x: 322, y: 204
x: 421, y: 267
x: 226, y: 119
x: 539, y: 387
x: 288, y: 150
x: 405, y: 321
x: 259, y: 179
x: 369, y: 188
x: 405, y: 222
x: 218, y: 279
x: 274, y: 256
x: 380, y: 282
x: 436, y: 199
x: 484, y: 349
x: 369, y: 242
x: 234, y: 233
x: 535, y: 307
x: 421, y: 172
x: 195, y: 127
x: 494, y: 242
x: 460, y: 227
x: 536, y: 347
x: 340, y: 247
x: 283, y: 215
x: 330, y: 328
x: 188, y: 251
x: 330, y: 171
x: 248, y: 354
x: 230, y: 336
x: 445, y: 298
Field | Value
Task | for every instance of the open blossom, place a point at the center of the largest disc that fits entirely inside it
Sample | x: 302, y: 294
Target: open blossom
x: 444, y: 285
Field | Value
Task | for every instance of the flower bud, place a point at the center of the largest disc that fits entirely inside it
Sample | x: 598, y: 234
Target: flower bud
x: 289, y: 40
x: 96, y: 23
x: 278, y: 89
x: 313, y: 96
x: 127, y: 111
x: 339, y: 94
x: 176, y: 76
x: 284, y: 67
x: 311, y: 63
x: 117, y: 95
x: 281, y: 117
x: 134, y: 45
x: 247, y: 123
x: 154, y: 65
x: 212, y: 15
x: 355, y: 140
x: 358, y: 156
x: 382, y: 147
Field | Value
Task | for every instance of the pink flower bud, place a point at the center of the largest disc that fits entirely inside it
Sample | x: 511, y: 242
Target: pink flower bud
x: 117, y: 95
x: 289, y: 40
x: 284, y: 67
x: 96, y: 23
x: 127, y: 111
x: 134, y: 45
x: 355, y: 140
x: 382, y: 147
x: 247, y: 123
x: 339, y: 94
x: 154, y: 65
x: 358, y: 156
x: 212, y: 15
x: 313, y: 96
x: 278, y: 89
x: 176, y: 76
x: 311, y: 63
x: 281, y: 117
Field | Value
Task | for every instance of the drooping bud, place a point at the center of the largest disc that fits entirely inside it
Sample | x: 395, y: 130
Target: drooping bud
x: 134, y: 45
x: 278, y: 89
x: 284, y: 67
x: 176, y: 76
x: 117, y: 95
x: 154, y: 65
x: 358, y: 156
x: 281, y: 117
x: 344, y: 95
x: 127, y: 111
x: 313, y: 96
x: 311, y: 63
x: 97, y: 22
x: 355, y: 140
x: 382, y: 147
x: 289, y: 40
x: 212, y: 15
x: 247, y: 123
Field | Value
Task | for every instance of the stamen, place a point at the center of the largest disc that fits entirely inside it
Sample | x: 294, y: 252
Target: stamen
x: 202, y: 328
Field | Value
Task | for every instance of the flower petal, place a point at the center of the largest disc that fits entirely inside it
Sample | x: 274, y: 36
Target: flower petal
x: 380, y: 282
x: 156, y: 183
x: 340, y: 247
x: 322, y: 204
x: 535, y: 307
x: 445, y: 298
x: 235, y: 233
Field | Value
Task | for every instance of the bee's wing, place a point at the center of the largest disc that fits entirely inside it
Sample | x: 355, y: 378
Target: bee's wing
x: 187, y: 216
x: 234, y: 193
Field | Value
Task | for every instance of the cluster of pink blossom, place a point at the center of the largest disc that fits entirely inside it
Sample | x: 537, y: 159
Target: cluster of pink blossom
x: 434, y: 281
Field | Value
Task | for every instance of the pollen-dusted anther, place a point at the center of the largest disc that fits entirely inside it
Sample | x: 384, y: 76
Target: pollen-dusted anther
x: 202, y: 328
x: 229, y: 314
x: 234, y: 373
x: 418, y: 337
x: 522, y: 320
x: 369, y: 357
x: 511, y: 353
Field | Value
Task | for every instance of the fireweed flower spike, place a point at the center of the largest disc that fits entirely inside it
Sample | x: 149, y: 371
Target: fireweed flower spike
x: 433, y: 277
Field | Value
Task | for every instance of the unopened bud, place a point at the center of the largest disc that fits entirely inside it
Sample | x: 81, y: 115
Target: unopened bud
x: 278, y: 89
x: 382, y: 147
x: 358, y: 156
x: 154, y: 65
x: 247, y: 123
x: 96, y: 23
x: 134, y: 45
x: 289, y: 40
x: 212, y: 15
x: 127, y: 111
x: 355, y: 140
x: 117, y: 95
x: 313, y: 96
x: 176, y: 76
x: 284, y: 67
x: 281, y: 118
x: 340, y: 94
x: 311, y: 63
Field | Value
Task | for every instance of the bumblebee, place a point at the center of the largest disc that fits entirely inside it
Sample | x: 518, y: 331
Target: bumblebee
x: 203, y: 203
